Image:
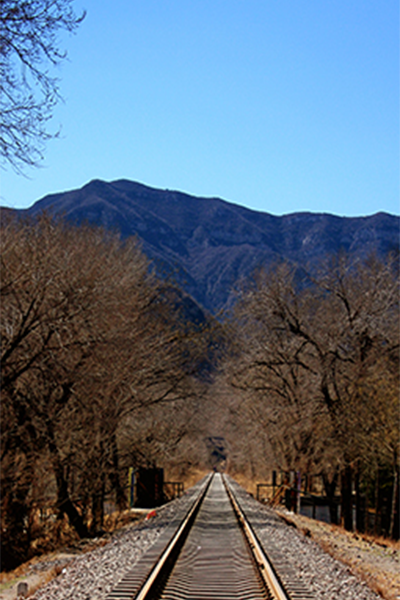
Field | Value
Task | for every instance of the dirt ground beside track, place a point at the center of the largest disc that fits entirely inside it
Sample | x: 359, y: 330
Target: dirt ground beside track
x: 376, y: 561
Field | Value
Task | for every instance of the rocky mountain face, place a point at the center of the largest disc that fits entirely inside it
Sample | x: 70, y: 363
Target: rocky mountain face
x: 208, y: 244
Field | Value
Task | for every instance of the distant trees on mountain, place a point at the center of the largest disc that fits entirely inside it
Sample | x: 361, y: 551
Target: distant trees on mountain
x: 99, y: 374
x: 316, y: 358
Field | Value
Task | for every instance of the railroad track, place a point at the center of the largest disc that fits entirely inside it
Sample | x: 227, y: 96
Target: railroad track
x: 210, y: 552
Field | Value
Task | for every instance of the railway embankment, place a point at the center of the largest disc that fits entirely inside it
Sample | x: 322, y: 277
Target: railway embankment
x: 92, y: 569
x: 336, y: 565
x: 373, y: 560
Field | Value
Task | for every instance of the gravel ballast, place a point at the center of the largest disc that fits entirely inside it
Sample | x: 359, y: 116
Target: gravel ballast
x: 326, y: 577
x: 93, y: 575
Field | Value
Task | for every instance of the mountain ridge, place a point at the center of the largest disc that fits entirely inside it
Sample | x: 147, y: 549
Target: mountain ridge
x: 210, y: 243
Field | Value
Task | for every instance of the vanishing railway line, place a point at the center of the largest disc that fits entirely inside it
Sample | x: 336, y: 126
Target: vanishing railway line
x: 210, y: 552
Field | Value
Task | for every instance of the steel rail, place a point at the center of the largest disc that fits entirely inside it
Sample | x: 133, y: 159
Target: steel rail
x: 213, y: 553
x: 170, y: 554
x: 216, y: 561
x: 265, y: 567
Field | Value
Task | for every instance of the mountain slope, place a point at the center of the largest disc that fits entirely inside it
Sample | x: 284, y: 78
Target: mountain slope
x: 208, y: 243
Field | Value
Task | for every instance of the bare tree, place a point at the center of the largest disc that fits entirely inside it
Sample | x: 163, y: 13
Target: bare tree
x: 92, y: 351
x: 378, y: 419
x: 28, y: 45
x: 312, y: 350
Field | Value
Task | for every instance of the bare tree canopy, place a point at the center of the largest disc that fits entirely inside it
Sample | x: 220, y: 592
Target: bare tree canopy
x: 100, y: 374
x: 28, y: 46
x: 315, y: 365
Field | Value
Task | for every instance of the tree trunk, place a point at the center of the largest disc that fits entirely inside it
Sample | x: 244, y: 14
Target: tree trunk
x: 394, y: 513
x: 330, y: 488
x: 15, y: 538
x: 97, y: 510
x: 114, y: 476
x: 377, y: 523
x: 347, y: 500
x: 360, y: 503
x: 64, y: 502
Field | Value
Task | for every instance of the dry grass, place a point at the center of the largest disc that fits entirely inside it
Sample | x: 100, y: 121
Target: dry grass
x: 44, y: 579
x: 23, y: 573
x: 193, y: 477
x: 249, y: 485
x: 9, y: 577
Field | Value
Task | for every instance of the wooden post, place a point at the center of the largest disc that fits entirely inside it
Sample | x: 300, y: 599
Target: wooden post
x: 395, y: 502
x: 298, y: 492
x: 273, y: 483
x: 131, y: 484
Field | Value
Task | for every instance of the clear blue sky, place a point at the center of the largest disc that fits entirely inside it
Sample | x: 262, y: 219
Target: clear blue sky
x: 278, y: 105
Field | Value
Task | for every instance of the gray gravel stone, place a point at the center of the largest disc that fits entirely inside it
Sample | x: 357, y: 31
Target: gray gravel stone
x: 326, y: 577
x: 93, y: 575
